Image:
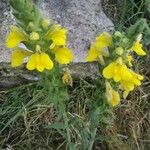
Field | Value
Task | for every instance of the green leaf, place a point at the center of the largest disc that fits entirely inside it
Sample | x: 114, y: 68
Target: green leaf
x: 57, y: 125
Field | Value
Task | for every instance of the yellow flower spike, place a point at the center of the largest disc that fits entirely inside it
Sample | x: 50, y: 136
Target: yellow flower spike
x: 18, y: 55
x: 15, y: 37
x: 67, y: 79
x: 34, y: 36
x: 137, y: 47
x: 63, y: 55
x: 112, y: 96
x: 93, y: 54
x: 119, y: 50
x: 39, y: 61
x: 103, y: 40
x: 57, y: 35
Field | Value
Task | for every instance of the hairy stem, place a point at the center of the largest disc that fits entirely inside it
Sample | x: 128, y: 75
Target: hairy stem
x: 93, y: 134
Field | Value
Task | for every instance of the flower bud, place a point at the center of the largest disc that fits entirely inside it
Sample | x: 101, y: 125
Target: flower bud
x: 45, y: 23
x: 139, y: 37
x: 38, y: 48
x: 117, y: 33
x: 52, y: 46
x: 67, y: 79
x: 125, y: 40
x: 119, y: 61
x: 34, y: 36
x: 129, y: 60
x: 30, y: 26
x: 119, y: 50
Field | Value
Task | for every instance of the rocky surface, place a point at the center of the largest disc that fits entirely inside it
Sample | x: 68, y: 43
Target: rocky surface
x: 84, y: 19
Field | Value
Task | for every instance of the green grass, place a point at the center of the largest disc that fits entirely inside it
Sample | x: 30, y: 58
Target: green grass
x: 27, y: 116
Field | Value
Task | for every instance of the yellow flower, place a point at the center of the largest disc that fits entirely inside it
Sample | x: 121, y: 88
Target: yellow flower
x: 18, y: 55
x: 63, y: 55
x: 67, y: 79
x: 39, y: 61
x: 103, y: 40
x: 97, y: 49
x: 128, y: 86
x: 34, y: 36
x: 112, y: 96
x: 93, y: 54
x: 96, y: 54
x: 117, y: 71
x: 57, y: 35
x: 137, y: 47
x: 15, y: 37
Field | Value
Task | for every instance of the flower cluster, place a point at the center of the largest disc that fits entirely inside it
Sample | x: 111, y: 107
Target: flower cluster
x: 41, y: 48
x: 115, y: 54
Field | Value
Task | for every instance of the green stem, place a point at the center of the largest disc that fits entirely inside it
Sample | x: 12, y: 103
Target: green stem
x: 92, y: 139
x: 67, y: 128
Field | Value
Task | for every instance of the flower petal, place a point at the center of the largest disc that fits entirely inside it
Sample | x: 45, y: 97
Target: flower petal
x: 103, y: 40
x: 31, y: 65
x: 116, y: 98
x: 112, y: 96
x: 40, y: 68
x: 46, y: 61
x: 93, y: 54
x: 57, y: 35
x: 137, y: 47
x: 15, y: 37
x: 108, y: 71
x: 18, y: 55
x: 63, y: 55
x: 125, y: 73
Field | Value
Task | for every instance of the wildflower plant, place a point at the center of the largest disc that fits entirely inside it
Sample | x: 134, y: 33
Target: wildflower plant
x: 44, y: 42
x: 115, y: 55
x: 42, y: 45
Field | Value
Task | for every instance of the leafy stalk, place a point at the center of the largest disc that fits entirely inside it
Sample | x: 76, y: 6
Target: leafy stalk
x: 26, y: 14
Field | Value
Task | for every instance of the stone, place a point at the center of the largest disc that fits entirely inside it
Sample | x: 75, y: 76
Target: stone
x: 84, y: 20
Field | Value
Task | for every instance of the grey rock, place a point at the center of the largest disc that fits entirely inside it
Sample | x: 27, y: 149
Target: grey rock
x: 84, y: 20
x: 6, y: 20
